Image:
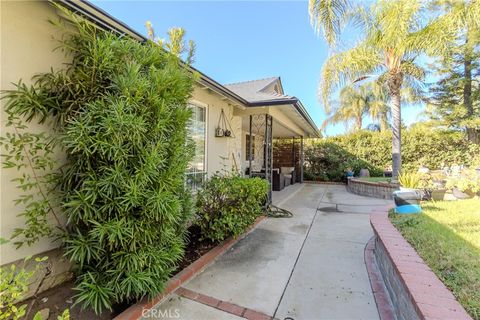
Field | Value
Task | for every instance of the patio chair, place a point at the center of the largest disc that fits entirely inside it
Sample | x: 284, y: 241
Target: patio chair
x: 289, y: 174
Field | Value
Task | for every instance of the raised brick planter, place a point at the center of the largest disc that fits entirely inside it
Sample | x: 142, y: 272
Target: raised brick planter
x: 382, y: 190
x: 414, y: 290
x: 135, y: 311
x: 325, y: 182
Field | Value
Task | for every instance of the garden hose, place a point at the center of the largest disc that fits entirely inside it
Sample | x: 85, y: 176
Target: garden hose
x: 276, y: 212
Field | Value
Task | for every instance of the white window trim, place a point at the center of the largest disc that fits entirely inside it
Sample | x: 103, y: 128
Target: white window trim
x: 204, y: 106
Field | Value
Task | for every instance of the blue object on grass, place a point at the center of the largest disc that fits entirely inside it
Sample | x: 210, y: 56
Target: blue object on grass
x: 408, y: 209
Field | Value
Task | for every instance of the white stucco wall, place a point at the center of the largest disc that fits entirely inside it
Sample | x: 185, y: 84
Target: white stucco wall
x: 220, y: 151
x: 26, y: 49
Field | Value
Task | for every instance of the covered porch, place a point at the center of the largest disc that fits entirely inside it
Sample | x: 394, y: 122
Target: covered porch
x: 273, y: 151
x: 273, y: 127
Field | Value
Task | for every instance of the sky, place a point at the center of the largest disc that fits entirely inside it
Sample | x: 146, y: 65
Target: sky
x: 246, y: 40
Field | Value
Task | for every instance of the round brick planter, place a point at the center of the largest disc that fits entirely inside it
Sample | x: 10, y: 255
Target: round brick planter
x: 381, y: 190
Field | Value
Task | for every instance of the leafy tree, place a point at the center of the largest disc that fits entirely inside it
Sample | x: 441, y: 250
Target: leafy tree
x: 120, y: 109
x: 455, y: 99
x: 395, y: 34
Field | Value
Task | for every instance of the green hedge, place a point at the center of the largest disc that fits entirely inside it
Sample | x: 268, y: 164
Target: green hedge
x: 327, y: 159
x: 228, y: 205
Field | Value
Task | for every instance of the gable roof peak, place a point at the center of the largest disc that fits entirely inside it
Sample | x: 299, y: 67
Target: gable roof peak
x: 254, y: 85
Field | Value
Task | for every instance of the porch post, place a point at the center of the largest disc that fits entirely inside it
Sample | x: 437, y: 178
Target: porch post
x: 267, y: 156
x: 250, y: 148
x: 294, y: 159
x: 301, y: 159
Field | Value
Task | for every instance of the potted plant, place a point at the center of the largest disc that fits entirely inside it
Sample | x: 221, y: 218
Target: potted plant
x: 465, y: 185
x: 433, y: 185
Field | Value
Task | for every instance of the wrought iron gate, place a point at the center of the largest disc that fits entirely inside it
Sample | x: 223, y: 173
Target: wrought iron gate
x: 260, y: 149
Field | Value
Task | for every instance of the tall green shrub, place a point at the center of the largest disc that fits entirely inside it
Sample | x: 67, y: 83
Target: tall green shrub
x: 327, y: 159
x: 120, y: 108
x: 228, y: 205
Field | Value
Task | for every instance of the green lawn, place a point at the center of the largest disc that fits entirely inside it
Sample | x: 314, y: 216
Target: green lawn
x: 447, y: 236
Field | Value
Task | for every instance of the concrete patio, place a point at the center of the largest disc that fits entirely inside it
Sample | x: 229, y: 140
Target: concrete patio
x: 310, y: 266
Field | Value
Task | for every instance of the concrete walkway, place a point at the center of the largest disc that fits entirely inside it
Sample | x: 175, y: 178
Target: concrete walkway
x: 310, y: 266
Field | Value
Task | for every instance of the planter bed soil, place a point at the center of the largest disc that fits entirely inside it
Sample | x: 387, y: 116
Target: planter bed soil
x: 59, y: 298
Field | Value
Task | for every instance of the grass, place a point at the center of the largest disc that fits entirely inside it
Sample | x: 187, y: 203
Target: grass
x: 447, y: 236
x: 376, y: 179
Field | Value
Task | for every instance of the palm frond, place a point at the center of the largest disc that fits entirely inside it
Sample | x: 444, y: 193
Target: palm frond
x: 326, y: 16
x: 347, y: 66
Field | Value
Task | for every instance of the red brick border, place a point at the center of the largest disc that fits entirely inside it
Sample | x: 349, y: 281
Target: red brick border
x: 134, y: 312
x: 336, y: 183
x: 225, y: 306
x: 429, y: 296
x: 380, y: 293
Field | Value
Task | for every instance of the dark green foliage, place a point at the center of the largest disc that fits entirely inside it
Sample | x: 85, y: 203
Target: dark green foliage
x: 327, y: 159
x: 121, y: 110
x: 228, y: 205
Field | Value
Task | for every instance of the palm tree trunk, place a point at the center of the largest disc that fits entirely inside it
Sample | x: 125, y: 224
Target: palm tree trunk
x: 394, y: 85
x: 396, y: 136
x: 359, y: 123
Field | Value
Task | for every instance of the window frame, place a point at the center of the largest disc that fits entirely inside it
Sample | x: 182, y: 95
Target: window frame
x: 198, y: 104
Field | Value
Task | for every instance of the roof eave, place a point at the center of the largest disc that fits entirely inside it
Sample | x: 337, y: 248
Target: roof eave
x: 296, y: 103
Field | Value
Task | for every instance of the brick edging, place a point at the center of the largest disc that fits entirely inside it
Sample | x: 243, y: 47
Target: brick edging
x: 379, y: 190
x: 430, y: 298
x: 380, y: 293
x: 134, y: 312
x: 225, y: 306
x: 337, y: 183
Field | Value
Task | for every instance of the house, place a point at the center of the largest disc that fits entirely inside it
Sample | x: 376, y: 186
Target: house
x: 234, y: 125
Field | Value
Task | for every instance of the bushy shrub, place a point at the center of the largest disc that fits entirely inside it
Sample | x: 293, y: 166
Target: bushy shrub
x: 328, y: 158
x: 327, y: 161
x: 121, y: 110
x: 14, y: 285
x: 226, y: 206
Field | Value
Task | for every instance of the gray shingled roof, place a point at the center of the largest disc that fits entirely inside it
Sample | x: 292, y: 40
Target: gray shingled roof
x: 253, y: 91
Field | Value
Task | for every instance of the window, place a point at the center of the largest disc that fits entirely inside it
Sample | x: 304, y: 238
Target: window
x: 196, y: 171
x: 247, y: 150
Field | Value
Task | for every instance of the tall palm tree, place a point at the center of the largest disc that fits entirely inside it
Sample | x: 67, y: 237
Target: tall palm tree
x: 395, y: 34
x: 357, y: 102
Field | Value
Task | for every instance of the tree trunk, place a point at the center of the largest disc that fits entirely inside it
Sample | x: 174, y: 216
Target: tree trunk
x: 396, y: 136
x: 358, y: 123
x: 394, y: 84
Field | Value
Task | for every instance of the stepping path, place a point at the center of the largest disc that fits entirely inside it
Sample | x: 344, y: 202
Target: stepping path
x: 310, y: 266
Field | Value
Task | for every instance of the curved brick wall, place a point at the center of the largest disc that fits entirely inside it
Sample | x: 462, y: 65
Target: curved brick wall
x: 371, y: 189
x: 414, y: 290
